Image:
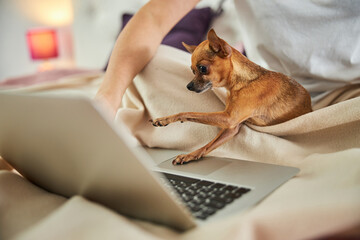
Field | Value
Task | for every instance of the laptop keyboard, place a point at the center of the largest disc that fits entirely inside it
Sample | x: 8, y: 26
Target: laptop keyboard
x: 203, y: 198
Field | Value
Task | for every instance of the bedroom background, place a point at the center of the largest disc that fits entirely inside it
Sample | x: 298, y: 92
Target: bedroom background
x: 86, y: 31
x: 322, y: 201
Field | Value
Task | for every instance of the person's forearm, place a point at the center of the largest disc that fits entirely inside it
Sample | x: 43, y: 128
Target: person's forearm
x: 138, y: 42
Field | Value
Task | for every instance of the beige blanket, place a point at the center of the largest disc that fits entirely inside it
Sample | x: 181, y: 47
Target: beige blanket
x: 322, y: 200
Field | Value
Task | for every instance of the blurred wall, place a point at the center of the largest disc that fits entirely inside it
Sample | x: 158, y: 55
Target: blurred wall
x: 16, y: 17
x: 87, y: 30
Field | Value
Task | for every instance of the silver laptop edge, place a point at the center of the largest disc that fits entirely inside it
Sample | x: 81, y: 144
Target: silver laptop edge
x: 68, y: 146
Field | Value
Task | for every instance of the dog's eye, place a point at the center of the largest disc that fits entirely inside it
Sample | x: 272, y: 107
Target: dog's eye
x: 202, y: 69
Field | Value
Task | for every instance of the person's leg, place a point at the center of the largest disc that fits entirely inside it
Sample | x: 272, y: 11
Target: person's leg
x: 22, y: 204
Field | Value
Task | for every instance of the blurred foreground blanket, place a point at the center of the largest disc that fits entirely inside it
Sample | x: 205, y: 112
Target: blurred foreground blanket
x: 322, y: 200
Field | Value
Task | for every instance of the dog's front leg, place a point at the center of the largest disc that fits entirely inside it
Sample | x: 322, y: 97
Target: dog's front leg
x: 218, y: 119
x: 223, y: 136
x: 164, y: 121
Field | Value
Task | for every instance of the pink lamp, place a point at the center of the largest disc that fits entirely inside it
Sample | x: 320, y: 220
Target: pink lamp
x: 42, y: 45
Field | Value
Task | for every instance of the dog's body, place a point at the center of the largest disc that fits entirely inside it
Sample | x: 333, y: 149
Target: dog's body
x: 255, y: 95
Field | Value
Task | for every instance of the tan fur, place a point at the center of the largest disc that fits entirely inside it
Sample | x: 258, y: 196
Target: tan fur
x: 255, y: 95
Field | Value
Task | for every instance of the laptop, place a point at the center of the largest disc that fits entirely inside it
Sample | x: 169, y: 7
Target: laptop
x: 68, y: 146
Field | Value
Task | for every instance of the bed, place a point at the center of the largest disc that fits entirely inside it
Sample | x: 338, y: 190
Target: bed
x: 321, y: 202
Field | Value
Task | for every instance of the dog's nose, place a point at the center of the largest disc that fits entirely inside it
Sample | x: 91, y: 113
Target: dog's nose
x: 190, y: 86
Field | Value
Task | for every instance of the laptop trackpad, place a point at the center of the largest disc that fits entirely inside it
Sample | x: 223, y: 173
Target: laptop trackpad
x: 203, y: 166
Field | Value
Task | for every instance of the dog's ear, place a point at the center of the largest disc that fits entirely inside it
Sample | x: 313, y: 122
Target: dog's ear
x: 190, y: 48
x: 218, y: 45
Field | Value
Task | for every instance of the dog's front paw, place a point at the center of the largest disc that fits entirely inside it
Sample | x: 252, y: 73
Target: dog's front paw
x: 185, y: 158
x: 160, y: 122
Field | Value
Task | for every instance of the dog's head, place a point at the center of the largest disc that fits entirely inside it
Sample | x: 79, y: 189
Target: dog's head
x: 210, y: 63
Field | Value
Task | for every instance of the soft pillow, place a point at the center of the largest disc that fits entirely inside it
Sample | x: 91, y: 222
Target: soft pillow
x: 191, y: 29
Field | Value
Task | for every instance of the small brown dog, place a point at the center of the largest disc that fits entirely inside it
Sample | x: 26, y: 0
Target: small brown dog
x: 255, y: 95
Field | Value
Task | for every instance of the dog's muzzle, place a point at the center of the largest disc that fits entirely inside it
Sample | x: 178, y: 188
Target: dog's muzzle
x: 190, y: 86
x: 199, y: 88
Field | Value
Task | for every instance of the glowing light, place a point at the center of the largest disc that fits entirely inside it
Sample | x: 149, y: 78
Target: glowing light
x: 42, y: 43
x: 48, y: 12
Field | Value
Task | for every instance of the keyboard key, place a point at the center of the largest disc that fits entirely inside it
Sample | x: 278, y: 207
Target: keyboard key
x: 230, y: 188
x: 204, y: 183
x: 236, y: 194
x: 189, y: 192
x: 218, y: 185
x: 244, y: 190
x: 201, y: 195
x: 194, y: 207
x: 218, y: 191
x: 179, y: 190
x: 186, y: 198
x: 200, y: 215
x: 205, y: 189
x: 227, y: 199
x: 239, y: 192
x: 198, y: 201
x: 217, y: 205
x: 214, y: 204
x: 208, y: 211
x: 194, y: 187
